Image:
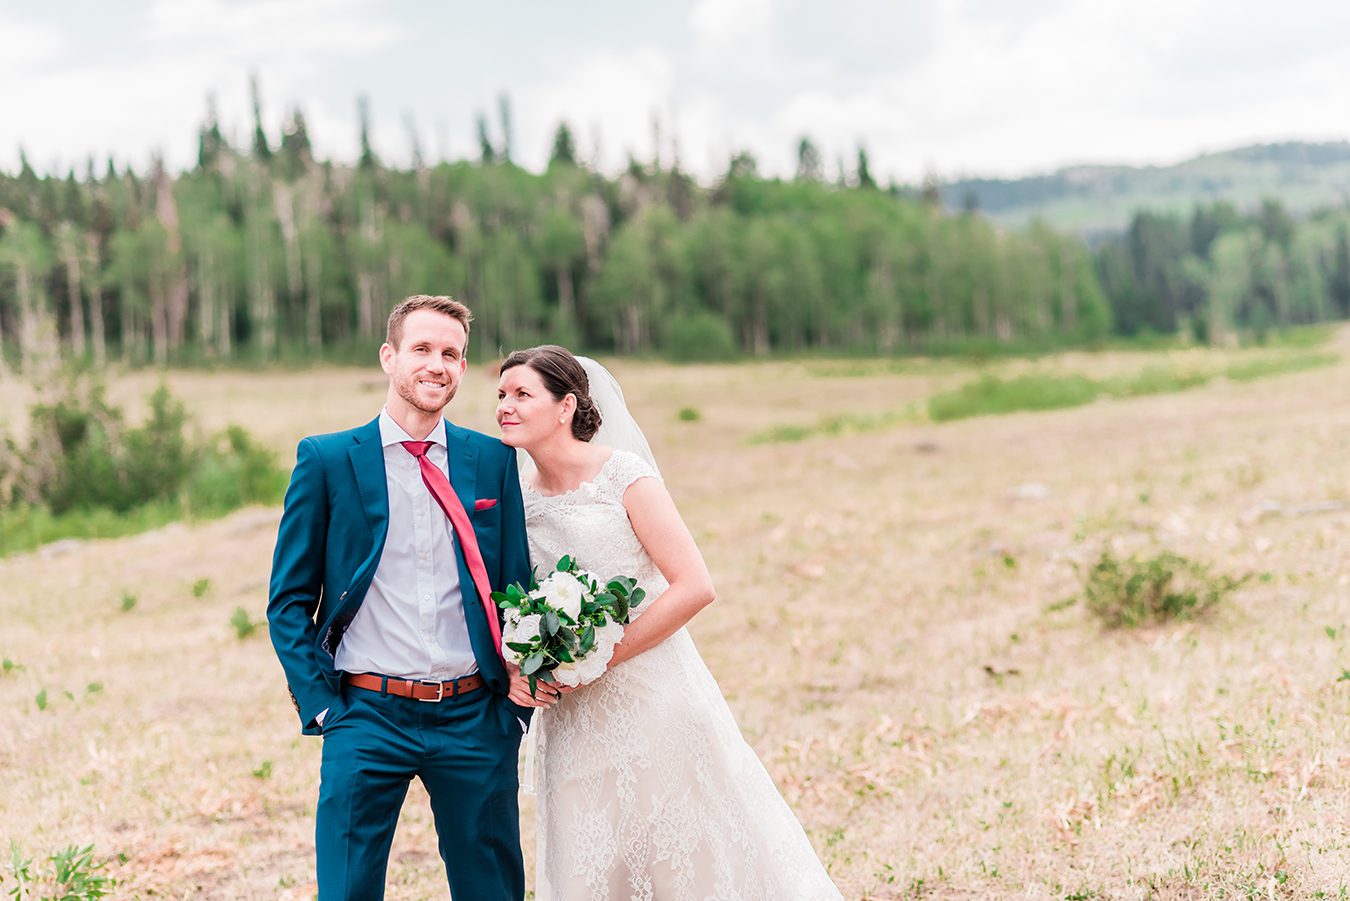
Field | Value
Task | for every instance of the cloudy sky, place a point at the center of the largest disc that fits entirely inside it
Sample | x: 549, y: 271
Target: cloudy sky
x: 1004, y: 87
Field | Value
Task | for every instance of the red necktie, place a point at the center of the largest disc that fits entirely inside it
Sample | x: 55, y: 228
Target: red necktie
x: 440, y: 489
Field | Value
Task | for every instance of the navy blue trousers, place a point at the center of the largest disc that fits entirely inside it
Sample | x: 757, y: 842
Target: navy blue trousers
x: 464, y: 751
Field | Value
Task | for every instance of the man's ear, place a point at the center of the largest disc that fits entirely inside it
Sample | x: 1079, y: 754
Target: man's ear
x: 387, y: 357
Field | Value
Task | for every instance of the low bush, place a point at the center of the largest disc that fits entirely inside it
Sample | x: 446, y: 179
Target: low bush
x: 1138, y: 590
x: 71, y: 874
x: 85, y: 474
x: 700, y: 336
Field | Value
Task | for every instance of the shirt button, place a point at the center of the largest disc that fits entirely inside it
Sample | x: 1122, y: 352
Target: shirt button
x: 426, y: 597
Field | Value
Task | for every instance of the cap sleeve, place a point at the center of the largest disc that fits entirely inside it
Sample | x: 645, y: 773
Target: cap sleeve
x: 625, y: 469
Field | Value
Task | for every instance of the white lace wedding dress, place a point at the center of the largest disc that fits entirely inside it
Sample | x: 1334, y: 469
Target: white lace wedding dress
x: 646, y: 788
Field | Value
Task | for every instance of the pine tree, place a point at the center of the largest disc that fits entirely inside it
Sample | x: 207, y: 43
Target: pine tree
x: 261, y: 149
x: 564, y: 150
x: 809, y: 165
x: 486, y: 152
x: 864, y: 171
x: 368, y: 161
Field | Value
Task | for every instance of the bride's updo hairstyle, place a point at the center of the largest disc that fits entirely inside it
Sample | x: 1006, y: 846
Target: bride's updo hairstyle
x: 562, y: 375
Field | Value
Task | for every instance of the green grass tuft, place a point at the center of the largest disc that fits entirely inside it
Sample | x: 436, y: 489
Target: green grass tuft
x: 244, y: 626
x: 1249, y: 370
x: 1125, y: 593
x: 989, y: 395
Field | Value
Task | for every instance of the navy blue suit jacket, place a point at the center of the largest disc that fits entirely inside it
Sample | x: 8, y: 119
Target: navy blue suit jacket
x: 332, y: 534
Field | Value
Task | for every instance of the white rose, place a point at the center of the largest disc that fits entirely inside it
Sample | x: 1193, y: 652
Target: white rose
x: 526, y: 628
x: 608, y: 635
x: 568, y: 674
x: 594, y: 664
x: 564, y: 593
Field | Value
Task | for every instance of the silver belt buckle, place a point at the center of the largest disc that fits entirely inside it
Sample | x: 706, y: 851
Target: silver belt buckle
x: 440, y: 690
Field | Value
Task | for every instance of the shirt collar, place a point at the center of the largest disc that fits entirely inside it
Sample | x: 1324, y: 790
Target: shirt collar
x: 392, y: 433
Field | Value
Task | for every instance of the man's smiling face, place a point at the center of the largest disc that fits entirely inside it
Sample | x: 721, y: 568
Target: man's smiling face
x: 426, y: 368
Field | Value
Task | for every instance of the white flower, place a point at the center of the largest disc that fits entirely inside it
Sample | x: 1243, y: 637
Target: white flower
x: 563, y: 593
x: 568, y: 674
x: 608, y: 635
x: 526, y: 628
x: 594, y: 664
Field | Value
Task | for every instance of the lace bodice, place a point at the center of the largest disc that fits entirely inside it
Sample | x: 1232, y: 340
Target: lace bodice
x: 591, y: 524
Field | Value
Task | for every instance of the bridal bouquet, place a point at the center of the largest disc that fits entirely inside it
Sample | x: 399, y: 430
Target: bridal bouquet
x: 565, y: 627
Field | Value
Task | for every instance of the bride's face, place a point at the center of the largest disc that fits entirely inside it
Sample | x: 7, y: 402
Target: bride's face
x: 526, y: 411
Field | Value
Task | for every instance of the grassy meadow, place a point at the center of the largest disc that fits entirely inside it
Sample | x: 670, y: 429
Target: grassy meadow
x: 898, y: 630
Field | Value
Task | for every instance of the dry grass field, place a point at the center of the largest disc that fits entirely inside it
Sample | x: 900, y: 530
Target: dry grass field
x: 893, y: 632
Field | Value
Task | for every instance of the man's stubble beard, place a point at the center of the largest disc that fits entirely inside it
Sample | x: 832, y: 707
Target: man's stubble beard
x: 407, y: 389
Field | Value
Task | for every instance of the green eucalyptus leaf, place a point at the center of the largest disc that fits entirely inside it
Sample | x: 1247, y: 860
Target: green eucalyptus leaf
x: 531, y: 664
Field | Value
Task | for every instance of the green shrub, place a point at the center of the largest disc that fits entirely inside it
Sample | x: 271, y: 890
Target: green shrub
x: 689, y: 414
x: 244, y: 626
x: 700, y: 336
x: 84, y: 474
x: 1148, y: 590
x: 990, y: 394
x: 233, y: 470
x: 71, y: 874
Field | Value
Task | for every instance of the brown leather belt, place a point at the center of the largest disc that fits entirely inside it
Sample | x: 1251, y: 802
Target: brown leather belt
x: 412, y: 688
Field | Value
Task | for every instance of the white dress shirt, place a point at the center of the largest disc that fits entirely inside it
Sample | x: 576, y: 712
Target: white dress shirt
x: 411, y: 622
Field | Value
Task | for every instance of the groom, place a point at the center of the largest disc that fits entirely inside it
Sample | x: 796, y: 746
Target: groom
x: 379, y: 612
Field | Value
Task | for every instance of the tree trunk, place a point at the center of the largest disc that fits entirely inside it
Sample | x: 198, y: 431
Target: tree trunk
x: 96, y: 317
x: 567, y: 300
x: 175, y: 285
x: 313, y: 303
x: 71, y: 256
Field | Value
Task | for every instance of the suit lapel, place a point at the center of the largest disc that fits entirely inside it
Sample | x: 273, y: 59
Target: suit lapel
x: 462, y: 461
x: 367, y: 456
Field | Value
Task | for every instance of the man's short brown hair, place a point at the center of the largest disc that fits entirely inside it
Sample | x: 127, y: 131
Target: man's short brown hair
x: 438, y: 303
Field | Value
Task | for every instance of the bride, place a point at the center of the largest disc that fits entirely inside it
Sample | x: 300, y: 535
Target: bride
x: 646, y: 787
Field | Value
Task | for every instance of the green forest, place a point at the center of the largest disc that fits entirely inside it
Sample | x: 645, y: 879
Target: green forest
x: 265, y: 253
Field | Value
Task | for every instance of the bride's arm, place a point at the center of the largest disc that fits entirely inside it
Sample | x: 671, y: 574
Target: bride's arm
x: 663, y: 533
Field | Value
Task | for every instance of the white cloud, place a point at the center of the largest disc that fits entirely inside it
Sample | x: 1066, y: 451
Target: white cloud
x: 961, y: 86
x: 723, y: 24
x: 616, y: 94
x: 255, y: 27
x: 24, y: 45
x: 152, y: 101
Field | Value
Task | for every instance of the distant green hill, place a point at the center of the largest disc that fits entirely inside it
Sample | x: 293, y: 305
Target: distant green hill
x: 1097, y: 201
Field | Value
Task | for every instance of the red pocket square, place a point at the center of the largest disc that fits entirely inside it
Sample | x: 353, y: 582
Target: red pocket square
x: 484, y: 503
